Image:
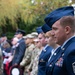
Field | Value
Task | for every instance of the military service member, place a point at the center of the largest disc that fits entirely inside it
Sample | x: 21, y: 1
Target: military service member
x: 45, y: 54
x: 62, y: 22
x: 20, y: 49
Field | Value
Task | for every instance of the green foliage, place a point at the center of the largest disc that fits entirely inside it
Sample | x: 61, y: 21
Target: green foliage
x: 26, y: 14
x: 38, y: 9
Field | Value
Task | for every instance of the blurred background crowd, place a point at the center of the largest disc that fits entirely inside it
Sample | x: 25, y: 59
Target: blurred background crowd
x: 31, y: 55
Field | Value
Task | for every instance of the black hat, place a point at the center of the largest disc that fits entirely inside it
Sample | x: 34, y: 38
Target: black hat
x: 59, y: 13
x: 46, y: 28
x: 19, y: 31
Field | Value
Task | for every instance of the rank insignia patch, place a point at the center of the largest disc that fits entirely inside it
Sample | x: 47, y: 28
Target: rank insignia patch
x: 73, y: 65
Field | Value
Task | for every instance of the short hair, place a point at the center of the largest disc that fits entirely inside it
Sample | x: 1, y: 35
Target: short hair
x: 68, y: 21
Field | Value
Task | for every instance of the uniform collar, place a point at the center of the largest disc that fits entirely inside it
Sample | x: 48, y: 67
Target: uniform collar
x: 67, y: 41
x: 44, y: 49
x: 20, y: 40
x: 54, y: 50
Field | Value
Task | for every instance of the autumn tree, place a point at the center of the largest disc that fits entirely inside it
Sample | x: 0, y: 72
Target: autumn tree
x: 26, y: 14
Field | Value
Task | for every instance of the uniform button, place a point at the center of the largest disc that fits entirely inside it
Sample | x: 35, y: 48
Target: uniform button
x: 50, y: 65
x: 63, y: 48
x: 63, y: 54
x: 54, y: 53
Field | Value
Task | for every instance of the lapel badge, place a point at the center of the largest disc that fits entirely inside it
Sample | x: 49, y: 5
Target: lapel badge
x: 42, y: 60
x: 54, y: 53
x: 73, y: 65
x: 63, y: 54
x: 44, y: 50
x: 50, y: 65
x: 63, y: 48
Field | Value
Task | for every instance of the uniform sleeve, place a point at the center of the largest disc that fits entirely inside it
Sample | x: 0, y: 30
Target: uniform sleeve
x: 70, y: 63
x: 27, y: 59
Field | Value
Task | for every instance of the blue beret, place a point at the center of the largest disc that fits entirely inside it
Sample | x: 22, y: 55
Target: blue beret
x: 46, y: 28
x: 58, y: 13
x: 39, y: 30
x: 19, y: 31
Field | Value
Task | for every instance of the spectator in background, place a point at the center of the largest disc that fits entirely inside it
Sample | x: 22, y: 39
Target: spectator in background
x: 20, y: 49
x: 33, y: 67
x: 6, y: 54
x: 28, y: 54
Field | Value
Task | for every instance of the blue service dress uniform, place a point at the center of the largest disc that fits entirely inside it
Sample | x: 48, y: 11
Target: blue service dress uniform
x: 43, y: 58
x: 65, y: 62
x: 52, y: 60
x: 19, y: 52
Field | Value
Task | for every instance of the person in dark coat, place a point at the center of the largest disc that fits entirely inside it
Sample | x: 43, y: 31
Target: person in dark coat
x: 20, y: 49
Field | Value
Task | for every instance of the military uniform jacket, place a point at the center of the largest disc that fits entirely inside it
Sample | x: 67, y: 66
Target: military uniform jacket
x: 43, y: 58
x: 19, y: 52
x: 51, y: 62
x: 65, y: 62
